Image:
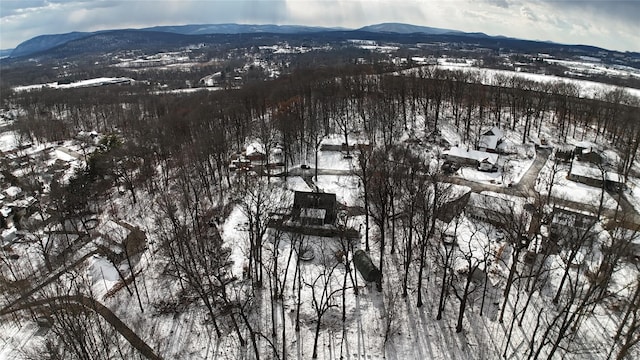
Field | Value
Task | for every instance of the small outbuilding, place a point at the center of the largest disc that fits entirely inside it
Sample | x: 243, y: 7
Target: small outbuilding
x: 365, y: 266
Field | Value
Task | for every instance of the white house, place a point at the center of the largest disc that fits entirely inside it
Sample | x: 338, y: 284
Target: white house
x: 470, y: 157
x: 490, y: 140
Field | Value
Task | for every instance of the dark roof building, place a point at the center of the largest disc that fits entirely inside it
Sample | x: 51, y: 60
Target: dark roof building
x: 312, y: 208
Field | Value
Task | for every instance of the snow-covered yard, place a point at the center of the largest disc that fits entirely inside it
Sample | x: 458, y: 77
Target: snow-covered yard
x: 565, y: 189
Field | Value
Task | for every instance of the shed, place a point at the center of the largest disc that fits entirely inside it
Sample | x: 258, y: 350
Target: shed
x: 365, y: 266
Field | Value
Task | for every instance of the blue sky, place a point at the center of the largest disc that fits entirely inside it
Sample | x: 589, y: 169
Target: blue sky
x: 610, y: 24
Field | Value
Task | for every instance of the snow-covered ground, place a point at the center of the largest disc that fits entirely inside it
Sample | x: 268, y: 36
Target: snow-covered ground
x: 596, y: 68
x: 78, y: 84
x: 334, y: 160
x: 346, y: 188
x: 8, y: 141
x: 378, y: 324
x: 586, y: 88
x: 563, y: 188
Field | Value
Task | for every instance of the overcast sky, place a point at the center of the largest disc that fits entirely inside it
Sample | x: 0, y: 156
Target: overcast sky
x: 611, y: 24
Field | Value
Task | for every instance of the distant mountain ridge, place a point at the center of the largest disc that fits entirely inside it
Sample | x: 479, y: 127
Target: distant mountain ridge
x: 400, y: 28
x: 43, y: 43
x: 204, y: 29
x: 46, y: 42
x: 161, y: 37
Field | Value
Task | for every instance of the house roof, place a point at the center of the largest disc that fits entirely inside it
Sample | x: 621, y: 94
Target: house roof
x: 491, y: 138
x: 314, y: 205
x: 472, y: 154
x: 573, y: 219
x: 116, y: 232
x: 494, y: 131
x: 488, y: 142
x: 490, y: 202
x: 13, y: 191
x: 587, y: 171
x: 254, y: 149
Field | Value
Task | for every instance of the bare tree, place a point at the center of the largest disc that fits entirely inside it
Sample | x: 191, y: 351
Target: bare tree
x: 323, y: 290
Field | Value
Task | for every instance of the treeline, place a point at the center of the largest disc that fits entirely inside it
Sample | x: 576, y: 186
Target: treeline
x: 310, y: 103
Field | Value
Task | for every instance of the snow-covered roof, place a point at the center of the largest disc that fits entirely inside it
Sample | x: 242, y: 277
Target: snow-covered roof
x: 66, y: 154
x: 114, y: 231
x: 488, y: 142
x: 587, y: 171
x: 586, y: 145
x: 9, y: 234
x: 491, y: 138
x: 584, y: 170
x: 494, y: 131
x: 472, y: 154
x: 13, y: 191
x: 5, y: 211
x: 25, y: 203
x: 490, y: 202
x: 255, y: 148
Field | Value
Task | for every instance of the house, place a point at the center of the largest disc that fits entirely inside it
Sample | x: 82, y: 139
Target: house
x: 570, y: 224
x: 12, y: 192
x: 564, y: 154
x: 498, y: 209
x: 490, y: 140
x: 453, y: 206
x: 488, y: 208
x: 590, y: 156
x: 312, y: 208
x: 119, y: 238
x: 277, y: 155
x: 470, y: 157
x: 255, y: 152
x: 588, y: 152
x: 211, y: 80
x: 588, y: 174
x: 8, y: 235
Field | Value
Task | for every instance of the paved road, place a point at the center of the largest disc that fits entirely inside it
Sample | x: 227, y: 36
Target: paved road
x: 526, y: 186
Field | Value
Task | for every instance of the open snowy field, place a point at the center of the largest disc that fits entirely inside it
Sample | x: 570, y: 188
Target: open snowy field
x: 101, y: 81
x: 587, y: 88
